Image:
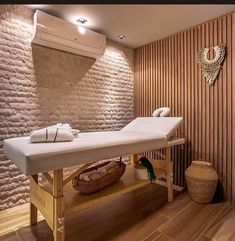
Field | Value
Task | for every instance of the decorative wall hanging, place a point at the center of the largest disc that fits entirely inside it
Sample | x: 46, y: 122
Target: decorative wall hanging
x: 211, y: 68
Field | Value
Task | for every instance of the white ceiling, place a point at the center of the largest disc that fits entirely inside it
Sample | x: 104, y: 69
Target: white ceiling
x: 140, y: 23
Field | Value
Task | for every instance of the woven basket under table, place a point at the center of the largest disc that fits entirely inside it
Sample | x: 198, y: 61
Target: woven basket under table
x: 87, y: 187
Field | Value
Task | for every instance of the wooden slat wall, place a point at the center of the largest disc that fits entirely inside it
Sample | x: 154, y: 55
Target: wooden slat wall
x: 167, y: 74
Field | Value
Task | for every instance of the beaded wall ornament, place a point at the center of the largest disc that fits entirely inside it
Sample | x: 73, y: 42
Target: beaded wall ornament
x: 211, y: 68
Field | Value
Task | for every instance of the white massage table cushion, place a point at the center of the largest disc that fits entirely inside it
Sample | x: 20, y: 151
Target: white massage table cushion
x: 142, y: 134
x: 33, y: 158
x: 164, y: 125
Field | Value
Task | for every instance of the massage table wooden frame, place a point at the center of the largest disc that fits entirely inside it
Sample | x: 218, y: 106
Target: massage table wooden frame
x: 50, y: 201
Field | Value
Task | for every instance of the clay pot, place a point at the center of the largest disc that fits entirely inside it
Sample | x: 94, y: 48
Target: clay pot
x: 201, y: 181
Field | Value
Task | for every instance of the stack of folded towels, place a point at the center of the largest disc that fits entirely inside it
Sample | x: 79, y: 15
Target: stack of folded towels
x: 100, y: 172
x: 55, y: 133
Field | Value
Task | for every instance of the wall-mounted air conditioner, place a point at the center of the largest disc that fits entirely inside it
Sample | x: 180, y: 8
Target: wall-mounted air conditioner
x: 53, y: 32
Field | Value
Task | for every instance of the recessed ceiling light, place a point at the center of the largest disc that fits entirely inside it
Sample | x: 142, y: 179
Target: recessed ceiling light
x: 121, y: 36
x: 82, y: 20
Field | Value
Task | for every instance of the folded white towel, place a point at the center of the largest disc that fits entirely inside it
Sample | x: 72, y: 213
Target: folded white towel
x: 60, y: 132
x: 51, y: 135
x: 66, y: 126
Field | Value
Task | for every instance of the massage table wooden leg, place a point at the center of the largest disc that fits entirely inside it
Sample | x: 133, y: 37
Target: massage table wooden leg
x: 169, y: 175
x: 33, y: 208
x: 58, y: 212
x: 134, y: 159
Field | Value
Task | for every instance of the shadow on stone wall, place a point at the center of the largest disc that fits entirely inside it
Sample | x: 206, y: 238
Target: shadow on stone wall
x: 58, y: 76
x: 90, y: 94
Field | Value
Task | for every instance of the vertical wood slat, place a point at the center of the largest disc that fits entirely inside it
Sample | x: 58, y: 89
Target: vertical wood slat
x: 199, y: 104
x: 229, y: 109
x: 195, y: 127
x: 216, y: 118
x: 233, y: 107
x: 211, y: 96
x: 166, y: 73
x: 220, y: 110
x: 225, y: 104
x: 207, y: 100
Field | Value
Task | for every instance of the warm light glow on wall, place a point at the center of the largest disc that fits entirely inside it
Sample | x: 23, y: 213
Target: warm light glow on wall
x: 24, y: 24
x: 81, y: 30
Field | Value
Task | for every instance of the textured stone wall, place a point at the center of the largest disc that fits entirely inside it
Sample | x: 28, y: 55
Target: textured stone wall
x: 41, y: 86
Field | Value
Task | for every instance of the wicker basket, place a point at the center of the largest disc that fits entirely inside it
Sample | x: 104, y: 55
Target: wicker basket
x: 87, y: 187
x: 201, y: 180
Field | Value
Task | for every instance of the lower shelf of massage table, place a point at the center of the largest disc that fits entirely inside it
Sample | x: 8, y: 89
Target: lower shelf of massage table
x: 127, y: 183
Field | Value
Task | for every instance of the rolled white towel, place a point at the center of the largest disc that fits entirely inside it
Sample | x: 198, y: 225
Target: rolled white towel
x: 112, y: 169
x: 51, y: 135
x: 112, y: 166
x: 86, y: 176
x: 91, y: 175
x: 102, y: 170
x: 96, y: 176
x: 162, y: 112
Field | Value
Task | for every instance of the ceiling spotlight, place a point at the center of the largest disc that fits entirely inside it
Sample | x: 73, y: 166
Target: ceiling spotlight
x: 82, y: 20
x: 121, y: 36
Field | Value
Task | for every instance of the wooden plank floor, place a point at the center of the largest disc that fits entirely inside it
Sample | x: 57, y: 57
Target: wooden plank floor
x: 143, y: 215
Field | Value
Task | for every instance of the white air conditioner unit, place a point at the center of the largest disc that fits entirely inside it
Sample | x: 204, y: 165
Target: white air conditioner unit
x: 53, y: 32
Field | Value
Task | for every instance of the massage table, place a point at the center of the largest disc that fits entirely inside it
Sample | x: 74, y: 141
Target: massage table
x: 56, y: 198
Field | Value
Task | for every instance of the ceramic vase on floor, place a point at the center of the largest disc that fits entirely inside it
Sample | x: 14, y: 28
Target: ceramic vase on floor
x: 201, y: 181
